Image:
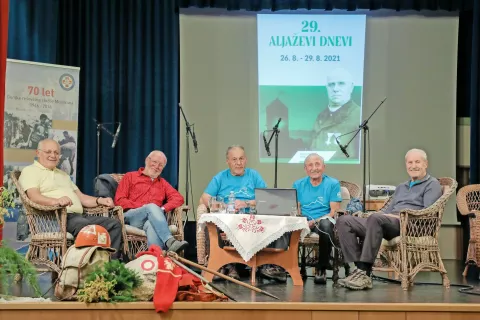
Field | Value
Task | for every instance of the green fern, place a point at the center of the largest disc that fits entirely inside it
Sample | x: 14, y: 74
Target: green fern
x: 13, y: 263
x: 115, y: 278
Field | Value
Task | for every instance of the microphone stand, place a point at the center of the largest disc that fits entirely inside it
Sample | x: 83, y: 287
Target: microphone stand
x: 100, y: 127
x: 189, y: 133
x: 275, y: 133
x: 366, y: 131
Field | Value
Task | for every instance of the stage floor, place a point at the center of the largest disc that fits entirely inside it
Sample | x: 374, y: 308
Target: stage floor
x: 381, y: 293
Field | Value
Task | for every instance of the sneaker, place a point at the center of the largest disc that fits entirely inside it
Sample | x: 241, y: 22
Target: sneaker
x: 272, y: 272
x: 321, y: 278
x: 360, y: 281
x: 347, y: 278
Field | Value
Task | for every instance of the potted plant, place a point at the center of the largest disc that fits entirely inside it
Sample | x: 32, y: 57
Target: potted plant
x: 7, y: 201
x: 13, y: 266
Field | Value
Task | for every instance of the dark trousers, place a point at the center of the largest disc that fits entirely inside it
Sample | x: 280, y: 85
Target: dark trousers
x: 324, y: 229
x: 371, y: 230
x: 76, y: 221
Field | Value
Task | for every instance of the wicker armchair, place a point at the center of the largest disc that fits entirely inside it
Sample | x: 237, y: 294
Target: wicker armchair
x: 309, y: 245
x: 468, y: 203
x: 416, y: 249
x: 137, y: 238
x: 48, y: 225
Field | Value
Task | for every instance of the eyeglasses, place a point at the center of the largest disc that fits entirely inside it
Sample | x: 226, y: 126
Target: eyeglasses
x: 156, y: 163
x: 50, y: 152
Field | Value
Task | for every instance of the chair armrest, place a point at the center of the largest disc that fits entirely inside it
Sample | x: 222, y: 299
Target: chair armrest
x: 339, y: 213
x: 40, y: 207
x: 201, y: 237
x: 97, y: 211
x: 361, y: 214
x: 175, y: 217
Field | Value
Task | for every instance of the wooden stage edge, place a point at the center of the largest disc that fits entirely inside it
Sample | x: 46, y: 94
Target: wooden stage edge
x: 241, y: 310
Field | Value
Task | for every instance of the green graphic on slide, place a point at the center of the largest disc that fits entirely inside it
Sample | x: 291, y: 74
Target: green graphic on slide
x: 307, y: 124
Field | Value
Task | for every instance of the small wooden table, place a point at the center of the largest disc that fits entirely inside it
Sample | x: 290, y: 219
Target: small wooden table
x: 287, y: 259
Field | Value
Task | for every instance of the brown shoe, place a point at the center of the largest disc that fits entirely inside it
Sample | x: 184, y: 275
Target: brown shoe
x: 232, y: 272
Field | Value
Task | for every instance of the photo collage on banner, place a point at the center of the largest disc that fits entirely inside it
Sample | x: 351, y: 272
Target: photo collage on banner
x: 310, y: 75
x: 41, y: 101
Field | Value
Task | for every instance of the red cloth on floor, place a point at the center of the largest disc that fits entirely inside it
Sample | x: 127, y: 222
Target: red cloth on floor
x: 168, y: 279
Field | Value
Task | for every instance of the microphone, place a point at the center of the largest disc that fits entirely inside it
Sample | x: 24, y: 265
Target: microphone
x: 115, y: 138
x: 194, y: 138
x: 342, y: 148
x: 276, y: 126
x: 266, y: 145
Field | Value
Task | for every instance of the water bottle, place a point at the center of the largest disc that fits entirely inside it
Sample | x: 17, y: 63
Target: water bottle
x: 231, y: 203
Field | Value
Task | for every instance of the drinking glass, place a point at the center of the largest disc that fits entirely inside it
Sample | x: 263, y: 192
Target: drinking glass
x: 252, y: 207
x: 216, y: 204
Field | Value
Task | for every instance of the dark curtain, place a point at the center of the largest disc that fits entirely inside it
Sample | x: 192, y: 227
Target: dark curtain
x: 3, y: 68
x: 468, y: 98
x: 32, y: 32
x: 351, y: 5
x: 128, y: 54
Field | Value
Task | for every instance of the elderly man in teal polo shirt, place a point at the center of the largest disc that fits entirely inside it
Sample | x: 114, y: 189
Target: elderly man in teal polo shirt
x: 420, y: 192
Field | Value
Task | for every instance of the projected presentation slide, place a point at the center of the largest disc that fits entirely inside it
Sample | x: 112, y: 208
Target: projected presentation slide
x: 310, y: 75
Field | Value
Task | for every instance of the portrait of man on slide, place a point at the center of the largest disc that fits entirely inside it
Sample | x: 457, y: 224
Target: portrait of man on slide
x: 341, y: 115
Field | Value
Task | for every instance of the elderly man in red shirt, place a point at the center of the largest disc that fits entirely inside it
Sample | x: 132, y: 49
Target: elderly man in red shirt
x: 145, y: 198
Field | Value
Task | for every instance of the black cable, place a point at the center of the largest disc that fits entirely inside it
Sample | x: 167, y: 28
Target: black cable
x: 191, y: 191
x: 369, y: 181
x: 464, y: 288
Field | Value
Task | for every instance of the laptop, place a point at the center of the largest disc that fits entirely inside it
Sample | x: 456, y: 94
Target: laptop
x: 277, y: 202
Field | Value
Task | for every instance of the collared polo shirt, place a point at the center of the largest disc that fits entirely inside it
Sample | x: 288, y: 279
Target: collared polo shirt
x: 51, y: 183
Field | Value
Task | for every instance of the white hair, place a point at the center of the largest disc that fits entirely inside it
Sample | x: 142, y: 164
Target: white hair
x: 312, y: 155
x: 419, y: 151
x: 234, y: 146
x: 42, y: 143
x: 159, y: 153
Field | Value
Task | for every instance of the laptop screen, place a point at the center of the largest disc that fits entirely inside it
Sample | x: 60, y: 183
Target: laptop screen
x: 278, y: 202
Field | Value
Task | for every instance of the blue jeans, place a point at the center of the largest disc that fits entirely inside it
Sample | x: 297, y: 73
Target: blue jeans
x: 151, y: 219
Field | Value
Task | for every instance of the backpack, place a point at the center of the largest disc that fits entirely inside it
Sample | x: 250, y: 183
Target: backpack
x: 76, y: 265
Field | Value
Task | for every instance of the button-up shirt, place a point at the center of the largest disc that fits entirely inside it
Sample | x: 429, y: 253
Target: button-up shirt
x: 136, y: 189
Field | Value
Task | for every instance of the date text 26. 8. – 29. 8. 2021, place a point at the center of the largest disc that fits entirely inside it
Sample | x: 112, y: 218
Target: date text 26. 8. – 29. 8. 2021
x: 310, y: 58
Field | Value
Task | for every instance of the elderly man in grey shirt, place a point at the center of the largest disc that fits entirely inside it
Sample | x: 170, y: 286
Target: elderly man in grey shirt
x: 421, y: 191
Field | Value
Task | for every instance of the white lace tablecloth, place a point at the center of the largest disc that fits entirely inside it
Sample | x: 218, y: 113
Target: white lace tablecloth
x: 252, y: 233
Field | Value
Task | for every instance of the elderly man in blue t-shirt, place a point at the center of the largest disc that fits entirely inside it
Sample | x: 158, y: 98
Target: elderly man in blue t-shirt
x: 419, y: 192
x: 239, y: 179
x: 319, y: 196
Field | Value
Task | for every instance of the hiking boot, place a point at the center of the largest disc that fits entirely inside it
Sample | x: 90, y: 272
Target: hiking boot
x: 223, y: 271
x: 177, y: 246
x: 232, y: 272
x: 272, y: 272
x: 360, y: 281
x: 347, y: 278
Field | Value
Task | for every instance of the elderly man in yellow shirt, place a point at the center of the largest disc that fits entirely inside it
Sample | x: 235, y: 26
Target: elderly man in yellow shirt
x: 47, y: 185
